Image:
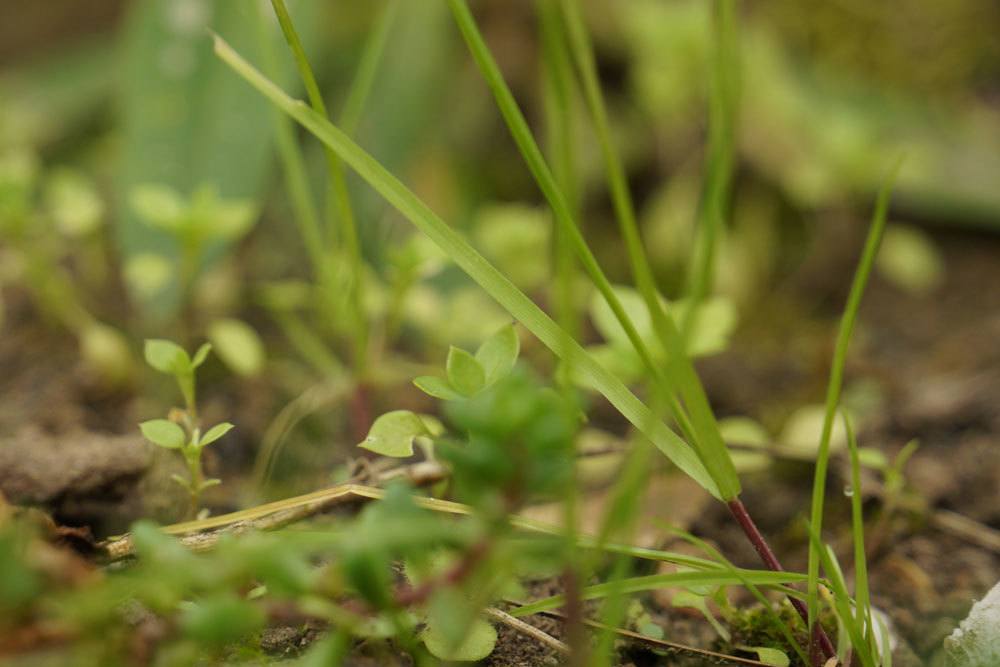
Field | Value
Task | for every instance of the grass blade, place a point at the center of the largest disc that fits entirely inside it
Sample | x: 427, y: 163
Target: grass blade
x: 711, y: 451
x: 679, y: 369
x: 656, y: 581
x: 847, y: 322
x: 498, y: 286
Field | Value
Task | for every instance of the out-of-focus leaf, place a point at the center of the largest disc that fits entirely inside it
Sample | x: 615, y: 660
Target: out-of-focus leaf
x: 909, y: 258
x: 167, y: 357
x: 465, y: 373
x: 221, y: 619
x: 498, y: 353
x: 516, y: 238
x: 72, y: 201
x: 436, y: 387
x: 238, y: 345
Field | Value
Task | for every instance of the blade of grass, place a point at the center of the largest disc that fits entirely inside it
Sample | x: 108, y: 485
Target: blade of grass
x: 475, y: 265
x: 847, y: 322
x: 346, y: 223
x: 722, y: 100
x: 713, y: 459
x: 656, y: 581
x: 861, y: 592
x: 678, y: 367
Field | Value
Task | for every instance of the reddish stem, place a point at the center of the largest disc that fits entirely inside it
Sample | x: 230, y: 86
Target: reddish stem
x: 821, y: 646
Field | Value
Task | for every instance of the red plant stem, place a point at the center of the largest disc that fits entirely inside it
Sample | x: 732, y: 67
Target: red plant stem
x: 739, y: 512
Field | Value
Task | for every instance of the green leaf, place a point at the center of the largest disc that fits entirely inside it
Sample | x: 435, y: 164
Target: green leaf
x: 608, y: 325
x: 486, y: 275
x: 478, y: 642
x: 221, y: 620
x: 167, y: 357
x: 769, y: 656
x: 158, y: 205
x: 465, y: 374
x: 498, y: 353
x: 238, y: 345
x: 163, y: 433
x: 909, y: 258
x: 437, y: 387
x: 215, y: 433
x: 201, y: 355
x: 392, y: 434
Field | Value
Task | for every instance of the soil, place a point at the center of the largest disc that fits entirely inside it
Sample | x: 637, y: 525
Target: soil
x: 933, y: 360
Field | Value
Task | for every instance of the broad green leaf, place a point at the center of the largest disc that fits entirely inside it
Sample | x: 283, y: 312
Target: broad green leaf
x: 392, y: 434
x: 437, y: 387
x: 479, y: 641
x: 492, y: 281
x: 167, y: 357
x: 465, y: 373
x: 498, y: 353
x: 804, y: 427
x: 238, y: 345
x: 214, y: 433
x: 163, y: 433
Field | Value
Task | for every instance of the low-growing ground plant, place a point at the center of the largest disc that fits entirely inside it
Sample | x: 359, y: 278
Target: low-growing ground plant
x: 182, y: 429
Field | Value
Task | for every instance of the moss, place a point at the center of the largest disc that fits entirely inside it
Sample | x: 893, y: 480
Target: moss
x: 757, y: 626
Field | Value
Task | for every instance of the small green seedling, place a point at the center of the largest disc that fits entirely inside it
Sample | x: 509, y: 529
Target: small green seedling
x: 466, y: 375
x: 204, y: 219
x: 182, y: 431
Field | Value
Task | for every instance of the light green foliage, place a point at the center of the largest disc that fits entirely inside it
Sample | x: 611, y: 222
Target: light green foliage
x: 221, y: 619
x: 469, y: 374
x: 697, y: 600
x: 476, y: 643
x: 909, y: 258
x: 393, y: 433
x: 465, y: 373
x: 769, y: 656
x: 238, y: 345
x: 804, y: 427
x: 183, y: 430
x: 163, y: 433
x: 73, y: 203
x: 517, y: 239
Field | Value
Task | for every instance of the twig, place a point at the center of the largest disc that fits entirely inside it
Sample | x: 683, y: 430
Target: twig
x: 527, y: 629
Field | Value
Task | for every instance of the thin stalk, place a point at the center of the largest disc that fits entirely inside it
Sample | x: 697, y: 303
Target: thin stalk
x: 763, y: 549
x: 847, y: 322
x: 861, y: 591
x: 558, y: 124
x: 347, y: 227
x: 722, y: 101
x: 724, y: 477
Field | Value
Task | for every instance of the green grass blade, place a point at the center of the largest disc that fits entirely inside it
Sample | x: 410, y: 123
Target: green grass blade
x: 680, y: 371
x: 861, y: 590
x: 847, y: 322
x: 498, y: 286
x: 714, y: 457
x: 656, y: 581
x: 722, y: 100
x: 344, y: 218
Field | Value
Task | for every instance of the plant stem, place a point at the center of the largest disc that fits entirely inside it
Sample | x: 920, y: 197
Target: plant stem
x: 763, y: 549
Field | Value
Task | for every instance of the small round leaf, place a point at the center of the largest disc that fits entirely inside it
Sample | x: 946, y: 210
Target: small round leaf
x: 163, y: 433
x: 167, y: 357
x: 498, y: 353
x: 238, y: 345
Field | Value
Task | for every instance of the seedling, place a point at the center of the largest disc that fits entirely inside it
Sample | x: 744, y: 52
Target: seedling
x: 182, y: 429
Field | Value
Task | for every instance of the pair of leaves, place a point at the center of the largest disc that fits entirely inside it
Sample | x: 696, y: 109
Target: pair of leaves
x: 468, y: 374
x: 205, y: 216
x: 170, y: 435
x: 170, y: 358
